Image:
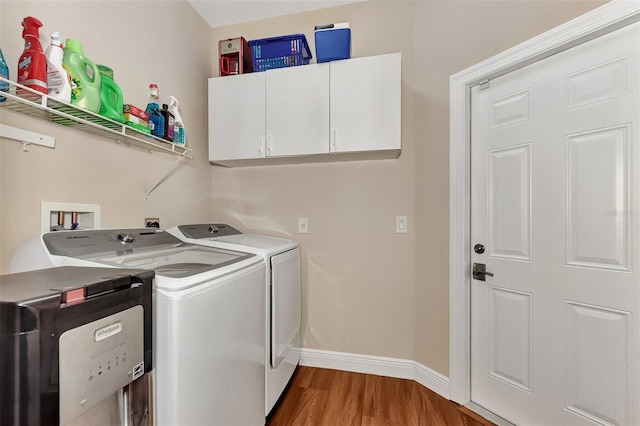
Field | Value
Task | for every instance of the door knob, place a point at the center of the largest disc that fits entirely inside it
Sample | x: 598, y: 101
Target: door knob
x: 480, y: 271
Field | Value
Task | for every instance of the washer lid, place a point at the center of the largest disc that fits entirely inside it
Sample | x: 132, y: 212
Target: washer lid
x: 179, y: 262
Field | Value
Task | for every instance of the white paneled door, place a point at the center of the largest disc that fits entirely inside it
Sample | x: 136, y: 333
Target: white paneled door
x: 555, y: 217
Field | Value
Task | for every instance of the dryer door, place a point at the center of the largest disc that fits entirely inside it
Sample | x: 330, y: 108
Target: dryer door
x: 285, y: 305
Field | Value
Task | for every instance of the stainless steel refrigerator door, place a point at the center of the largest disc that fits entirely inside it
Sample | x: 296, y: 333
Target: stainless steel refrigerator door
x: 97, y: 360
x: 130, y: 406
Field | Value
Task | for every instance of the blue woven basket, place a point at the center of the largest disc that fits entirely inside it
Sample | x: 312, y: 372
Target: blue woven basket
x: 279, y: 52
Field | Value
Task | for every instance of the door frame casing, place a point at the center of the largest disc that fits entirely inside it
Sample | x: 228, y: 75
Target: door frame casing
x: 600, y: 21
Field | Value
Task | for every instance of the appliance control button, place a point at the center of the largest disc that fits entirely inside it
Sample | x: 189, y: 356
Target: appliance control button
x: 126, y: 238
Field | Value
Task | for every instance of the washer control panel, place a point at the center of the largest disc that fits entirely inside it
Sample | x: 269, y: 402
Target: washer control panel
x: 205, y: 230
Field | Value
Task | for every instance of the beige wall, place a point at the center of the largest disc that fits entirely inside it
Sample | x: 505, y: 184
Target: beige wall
x: 366, y: 289
x: 166, y: 43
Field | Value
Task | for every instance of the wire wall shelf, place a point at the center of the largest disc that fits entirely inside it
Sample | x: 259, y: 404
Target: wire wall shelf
x: 23, y: 100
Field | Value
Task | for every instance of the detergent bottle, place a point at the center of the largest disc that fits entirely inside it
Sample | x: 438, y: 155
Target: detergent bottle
x: 111, y: 102
x: 179, y: 136
x: 169, y: 122
x: 156, y: 120
x: 4, y: 73
x: 85, y: 77
x: 58, y: 81
x: 32, y: 65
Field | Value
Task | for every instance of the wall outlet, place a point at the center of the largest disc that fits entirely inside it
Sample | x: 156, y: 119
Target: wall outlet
x: 152, y: 222
x: 303, y: 225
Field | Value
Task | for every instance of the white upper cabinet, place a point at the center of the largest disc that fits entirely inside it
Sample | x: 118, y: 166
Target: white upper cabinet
x: 366, y: 104
x: 342, y: 110
x: 237, y: 117
x: 297, y: 110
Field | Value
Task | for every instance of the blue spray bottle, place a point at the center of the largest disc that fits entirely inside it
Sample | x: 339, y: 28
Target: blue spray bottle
x: 156, y: 120
x: 4, y: 73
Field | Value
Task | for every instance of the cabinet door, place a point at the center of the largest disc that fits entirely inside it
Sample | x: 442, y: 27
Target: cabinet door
x: 298, y: 110
x: 366, y: 104
x: 236, y: 117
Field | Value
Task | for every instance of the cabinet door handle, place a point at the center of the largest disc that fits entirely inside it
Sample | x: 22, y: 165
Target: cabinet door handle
x: 260, y: 144
x: 333, y: 139
x: 269, y: 143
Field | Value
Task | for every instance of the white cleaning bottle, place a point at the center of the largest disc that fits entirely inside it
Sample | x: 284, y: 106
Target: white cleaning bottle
x: 58, y: 80
x: 179, y: 132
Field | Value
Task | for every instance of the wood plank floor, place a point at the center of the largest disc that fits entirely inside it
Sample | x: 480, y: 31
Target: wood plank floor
x: 323, y: 397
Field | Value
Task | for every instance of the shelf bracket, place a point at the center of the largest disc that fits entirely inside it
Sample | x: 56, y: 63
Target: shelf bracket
x: 26, y: 137
x: 164, y: 175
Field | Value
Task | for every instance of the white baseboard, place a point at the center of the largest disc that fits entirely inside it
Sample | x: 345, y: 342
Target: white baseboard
x: 432, y: 379
x: 377, y: 365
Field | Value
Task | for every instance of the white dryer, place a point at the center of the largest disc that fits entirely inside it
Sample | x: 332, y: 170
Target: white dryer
x: 282, y: 260
x: 208, y: 324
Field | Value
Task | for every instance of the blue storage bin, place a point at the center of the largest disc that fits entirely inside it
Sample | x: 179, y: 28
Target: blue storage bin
x: 333, y: 42
x: 279, y: 52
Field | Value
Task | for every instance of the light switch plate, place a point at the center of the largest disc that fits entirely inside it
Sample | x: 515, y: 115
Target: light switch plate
x: 401, y: 224
x: 303, y: 225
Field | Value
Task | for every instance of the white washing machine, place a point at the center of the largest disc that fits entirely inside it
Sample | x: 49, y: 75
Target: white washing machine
x: 209, y: 318
x: 282, y: 260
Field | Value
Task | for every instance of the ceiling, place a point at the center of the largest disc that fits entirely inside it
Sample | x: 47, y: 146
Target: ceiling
x: 218, y: 13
